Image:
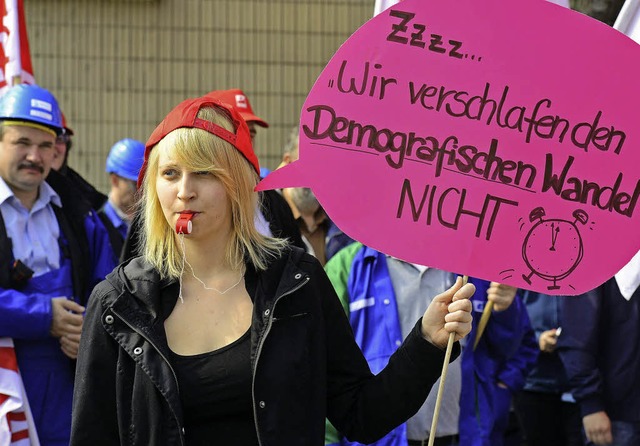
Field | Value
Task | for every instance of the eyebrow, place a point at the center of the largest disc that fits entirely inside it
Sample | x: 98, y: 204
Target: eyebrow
x: 28, y: 141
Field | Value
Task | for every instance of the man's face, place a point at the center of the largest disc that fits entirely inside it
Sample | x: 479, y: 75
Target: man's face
x: 60, y: 152
x: 123, y: 193
x: 305, y: 201
x: 26, y: 155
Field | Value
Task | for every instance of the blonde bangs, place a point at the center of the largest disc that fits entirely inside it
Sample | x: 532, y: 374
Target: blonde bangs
x: 199, y: 150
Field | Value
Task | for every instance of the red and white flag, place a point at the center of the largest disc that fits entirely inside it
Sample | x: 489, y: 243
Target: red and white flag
x: 15, y: 57
x: 16, y: 422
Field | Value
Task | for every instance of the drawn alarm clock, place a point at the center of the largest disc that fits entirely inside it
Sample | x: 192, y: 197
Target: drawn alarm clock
x: 553, y: 247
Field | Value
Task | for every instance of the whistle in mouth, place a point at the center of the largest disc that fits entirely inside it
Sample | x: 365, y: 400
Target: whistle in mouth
x: 184, y: 225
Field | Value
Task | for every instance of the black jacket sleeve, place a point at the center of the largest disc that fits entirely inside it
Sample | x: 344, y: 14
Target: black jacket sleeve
x: 365, y: 407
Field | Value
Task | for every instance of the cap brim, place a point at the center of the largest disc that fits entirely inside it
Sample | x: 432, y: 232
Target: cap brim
x: 253, y: 118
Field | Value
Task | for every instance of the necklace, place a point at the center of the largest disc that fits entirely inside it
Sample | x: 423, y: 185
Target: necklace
x: 215, y: 289
x: 193, y: 273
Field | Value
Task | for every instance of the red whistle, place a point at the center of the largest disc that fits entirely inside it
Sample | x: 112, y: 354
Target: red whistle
x: 184, y: 225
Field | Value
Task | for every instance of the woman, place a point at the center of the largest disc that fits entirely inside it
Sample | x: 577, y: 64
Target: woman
x: 224, y: 336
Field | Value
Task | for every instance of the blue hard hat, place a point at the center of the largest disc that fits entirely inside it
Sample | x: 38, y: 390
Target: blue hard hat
x: 264, y: 171
x: 125, y: 158
x: 32, y: 104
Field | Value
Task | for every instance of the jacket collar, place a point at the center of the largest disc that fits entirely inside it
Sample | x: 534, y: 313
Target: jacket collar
x: 139, y: 286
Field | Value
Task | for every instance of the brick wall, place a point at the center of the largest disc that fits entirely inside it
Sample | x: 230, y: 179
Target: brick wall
x: 117, y: 67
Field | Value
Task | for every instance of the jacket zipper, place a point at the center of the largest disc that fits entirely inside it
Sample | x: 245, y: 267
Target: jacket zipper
x: 262, y: 339
x: 175, y: 377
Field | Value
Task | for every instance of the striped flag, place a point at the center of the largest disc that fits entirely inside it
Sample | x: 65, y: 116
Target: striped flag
x: 15, y: 57
x: 16, y: 422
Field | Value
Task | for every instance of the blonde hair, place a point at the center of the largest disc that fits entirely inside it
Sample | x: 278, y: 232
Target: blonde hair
x: 199, y: 150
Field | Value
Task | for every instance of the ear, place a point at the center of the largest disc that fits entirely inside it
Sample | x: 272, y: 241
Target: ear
x: 114, y: 179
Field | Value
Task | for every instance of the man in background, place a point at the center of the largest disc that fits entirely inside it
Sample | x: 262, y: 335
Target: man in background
x: 123, y: 166
x: 53, y: 250
x: 60, y: 164
x: 321, y: 236
x: 600, y: 350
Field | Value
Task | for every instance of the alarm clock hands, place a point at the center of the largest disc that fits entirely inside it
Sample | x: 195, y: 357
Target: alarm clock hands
x: 554, y: 236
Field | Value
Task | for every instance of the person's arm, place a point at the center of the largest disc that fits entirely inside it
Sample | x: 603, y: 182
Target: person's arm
x: 578, y: 350
x: 94, y: 420
x: 25, y: 316
x: 503, y: 334
x: 514, y: 371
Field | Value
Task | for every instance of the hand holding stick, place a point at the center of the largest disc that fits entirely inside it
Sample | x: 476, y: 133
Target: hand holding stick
x: 443, y: 377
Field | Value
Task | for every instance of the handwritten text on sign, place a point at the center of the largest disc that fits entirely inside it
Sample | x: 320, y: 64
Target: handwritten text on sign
x: 507, y: 152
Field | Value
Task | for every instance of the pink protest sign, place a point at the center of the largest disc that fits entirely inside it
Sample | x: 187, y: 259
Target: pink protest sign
x: 490, y: 138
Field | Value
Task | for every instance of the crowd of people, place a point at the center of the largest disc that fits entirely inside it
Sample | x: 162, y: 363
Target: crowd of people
x: 183, y: 308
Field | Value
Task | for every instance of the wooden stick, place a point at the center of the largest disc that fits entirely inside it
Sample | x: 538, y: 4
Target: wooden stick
x: 486, y: 313
x: 443, y: 377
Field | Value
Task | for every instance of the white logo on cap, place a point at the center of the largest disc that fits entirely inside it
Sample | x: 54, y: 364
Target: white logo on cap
x: 241, y: 101
x: 37, y: 103
x: 41, y: 114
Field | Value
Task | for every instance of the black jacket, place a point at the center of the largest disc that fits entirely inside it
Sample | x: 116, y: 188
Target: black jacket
x: 82, y: 187
x: 306, y: 364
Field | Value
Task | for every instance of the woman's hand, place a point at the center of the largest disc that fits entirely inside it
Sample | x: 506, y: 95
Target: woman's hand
x: 449, y: 312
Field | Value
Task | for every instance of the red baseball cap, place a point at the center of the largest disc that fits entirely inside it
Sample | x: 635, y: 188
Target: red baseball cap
x: 240, y: 101
x: 185, y: 115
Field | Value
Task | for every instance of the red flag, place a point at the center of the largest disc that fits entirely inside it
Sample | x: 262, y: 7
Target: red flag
x: 16, y: 422
x: 15, y: 57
